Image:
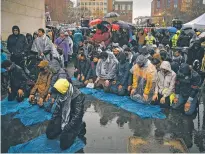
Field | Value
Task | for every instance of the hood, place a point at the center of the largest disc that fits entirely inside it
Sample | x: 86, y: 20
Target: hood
x: 62, y: 85
x: 185, y: 69
x: 166, y: 65
x: 15, y: 27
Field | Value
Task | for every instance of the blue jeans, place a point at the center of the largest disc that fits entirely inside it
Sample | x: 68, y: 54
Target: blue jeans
x: 181, y: 102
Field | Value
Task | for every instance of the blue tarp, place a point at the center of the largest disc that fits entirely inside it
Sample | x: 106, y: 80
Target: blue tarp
x: 42, y: 145
x: 33, y: 115
x: 124, y: 102
x: 13, y: 106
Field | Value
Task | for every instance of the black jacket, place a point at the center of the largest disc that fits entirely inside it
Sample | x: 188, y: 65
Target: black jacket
x: 195, y: 54
x: 83, y: 67
x: 187, y: 85
x: 17, y: 77
x: 123, y: 74
x: 17, y: 44
x: 92, y: 71
x: 183, y: 41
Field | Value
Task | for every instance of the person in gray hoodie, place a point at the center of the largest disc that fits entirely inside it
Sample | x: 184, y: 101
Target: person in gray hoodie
x: 165, y: 85
x: 106, y: 70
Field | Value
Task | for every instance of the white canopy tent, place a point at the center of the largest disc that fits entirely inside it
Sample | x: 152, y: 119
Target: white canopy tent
x: 198, y: 23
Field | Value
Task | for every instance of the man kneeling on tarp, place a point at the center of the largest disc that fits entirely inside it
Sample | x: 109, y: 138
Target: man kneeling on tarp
x: 40, y: 89
x: 68, y: 114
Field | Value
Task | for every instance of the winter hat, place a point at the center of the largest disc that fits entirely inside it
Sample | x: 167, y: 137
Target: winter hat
x: 141, y: 60
x: 144, y: 50
x: 61, y: 85
x: 115, y: 44
x: 66, y: 34
x: 185, y: 69
x: 43, y: 64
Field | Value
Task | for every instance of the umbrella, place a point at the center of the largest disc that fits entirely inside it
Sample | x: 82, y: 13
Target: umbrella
x: 115, y: 27
x: 105, y: 23
x: 172, y: 29
x: 95, y: 22
x: 122, y: 24
x: 111, y: 15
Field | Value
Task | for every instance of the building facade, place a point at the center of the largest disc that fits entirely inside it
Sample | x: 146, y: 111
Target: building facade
x: 29, y: 15
x: 166, y: 10
x: 124, y: 9
x: 98, y: 8
x: 58, y: 9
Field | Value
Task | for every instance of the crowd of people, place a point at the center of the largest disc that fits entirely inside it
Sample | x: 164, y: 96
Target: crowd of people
x: 150, y: 67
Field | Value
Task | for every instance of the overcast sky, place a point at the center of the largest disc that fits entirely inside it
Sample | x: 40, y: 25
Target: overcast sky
x: 140, y: 7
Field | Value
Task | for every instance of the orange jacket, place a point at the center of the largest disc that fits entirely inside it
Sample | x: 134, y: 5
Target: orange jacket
x: 147, y: 73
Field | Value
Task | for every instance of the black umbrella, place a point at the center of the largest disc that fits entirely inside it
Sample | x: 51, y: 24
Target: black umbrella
x: 111, y: 15
x: 122, y: 24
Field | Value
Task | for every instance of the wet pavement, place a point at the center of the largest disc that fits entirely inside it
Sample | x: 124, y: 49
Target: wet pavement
x: 109, y: 128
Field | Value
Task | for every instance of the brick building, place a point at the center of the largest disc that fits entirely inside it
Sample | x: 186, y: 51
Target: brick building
x: 125, y: 9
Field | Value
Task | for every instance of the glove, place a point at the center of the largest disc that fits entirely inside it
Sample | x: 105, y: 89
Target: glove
x: 187, y: 106
x: 48, y: 97
x: 31, y: 97
x: 20, y: 92
x: 145, y: 97
x: 155, y: 97
x: 40, y: 102
x: 90, y: 81
x: 113, y: 82
x: 162, y: 100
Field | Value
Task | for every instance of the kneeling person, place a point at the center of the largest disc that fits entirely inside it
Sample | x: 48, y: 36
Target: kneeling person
x: 119, y: 85
x: 41, y: 87
x: 67, y: 117
x: 17, y: 88
x: 165, y: 85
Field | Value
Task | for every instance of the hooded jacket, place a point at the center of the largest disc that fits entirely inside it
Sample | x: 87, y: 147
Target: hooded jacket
x: 78, y: 37
x: 107, y: 69
x: 42, y: 84
x: 92, y: 71
x: 17, y: 44
x: 195, y: 54
x: 165, y: 82
x: 17, y: 77
x: 187, y: 82
x: 144, y: 76
x: 123, y: 71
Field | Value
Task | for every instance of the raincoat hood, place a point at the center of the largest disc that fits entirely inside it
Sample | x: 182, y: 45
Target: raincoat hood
x: 62, y: 86
x: 15, y: 27
x: 166, y: 65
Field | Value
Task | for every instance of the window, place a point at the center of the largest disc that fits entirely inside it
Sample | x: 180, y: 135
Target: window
x: 82, y: 3
x: 97, y: 3
x: 122, y: 7
x: 101, y: 3
x: 90, y: 3
x: 168, y: 3
x: 175, y: 3
x: 128, y: 7
x: 85, y: 3
x: 105, y: 3
x: 116, y: 7
x: 158, y: 4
